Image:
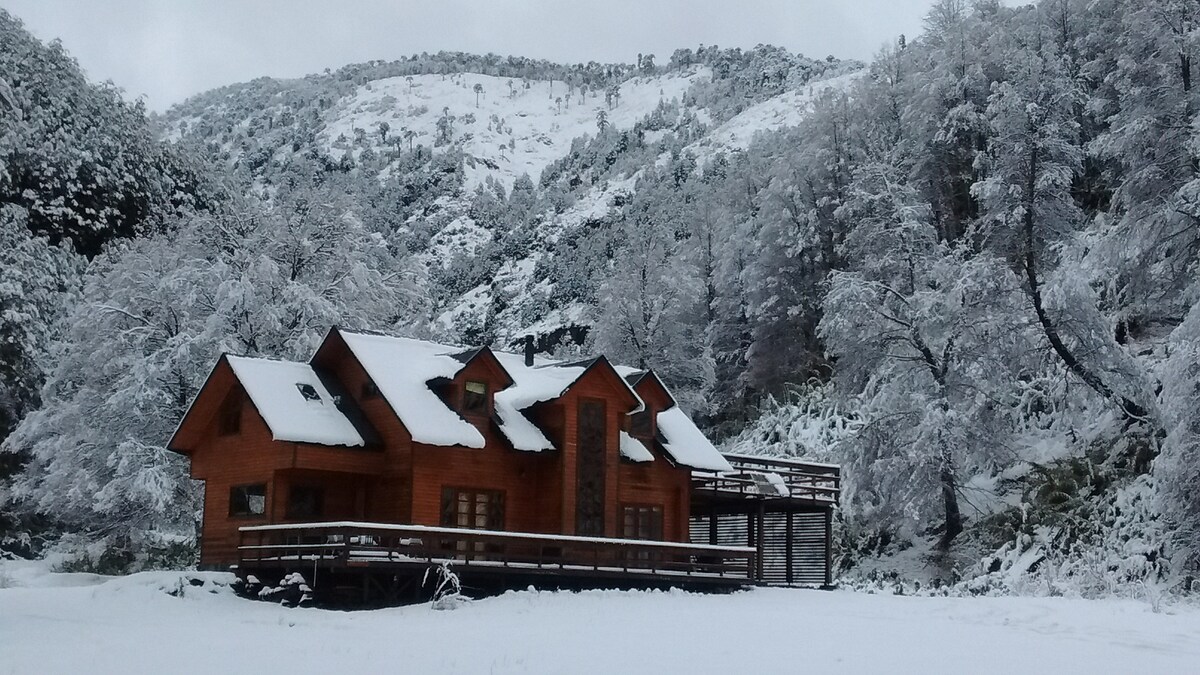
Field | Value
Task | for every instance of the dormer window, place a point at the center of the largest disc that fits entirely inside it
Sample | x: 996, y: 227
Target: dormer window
x: 475, y: 397
x: 308, y: 391
x: 641, y: 424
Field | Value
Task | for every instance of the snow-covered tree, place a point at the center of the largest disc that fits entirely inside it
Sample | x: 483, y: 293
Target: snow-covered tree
x: 1029, y: 214
x: 920, y: 337
x: 155, y: 313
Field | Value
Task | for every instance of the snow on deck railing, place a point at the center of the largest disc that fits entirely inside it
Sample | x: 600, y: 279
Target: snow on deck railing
x: 788, y: 478
x: 762, y: 459
x: 524, y: 536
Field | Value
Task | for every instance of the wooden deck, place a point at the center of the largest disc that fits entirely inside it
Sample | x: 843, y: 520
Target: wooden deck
x: 759, y: 478
x: 769, y: 522
x: 783, y: 508
x: 483, y: 558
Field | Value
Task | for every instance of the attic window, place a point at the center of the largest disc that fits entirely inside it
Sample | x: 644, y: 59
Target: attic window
x: 308, y: 391
x: 475, y: 397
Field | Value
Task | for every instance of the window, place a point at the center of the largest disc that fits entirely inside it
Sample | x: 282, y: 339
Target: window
x: 640, y: 424
x: 230, y: 421
x: 305, y: 502
x: 369, y: 390
x: 248, y: 500
x: 308, y: 391
x: 475, y: 398
x: 642, y: 522
x: 474, y: 509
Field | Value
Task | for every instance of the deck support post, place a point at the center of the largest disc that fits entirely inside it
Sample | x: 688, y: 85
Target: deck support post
x: 828, y: 547
x: 760, y: 541
x: 789, y: 549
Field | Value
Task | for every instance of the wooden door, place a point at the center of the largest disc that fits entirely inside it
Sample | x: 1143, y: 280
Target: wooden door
x: 589, y: 468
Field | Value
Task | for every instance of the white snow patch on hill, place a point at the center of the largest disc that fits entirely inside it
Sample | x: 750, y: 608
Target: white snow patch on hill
x: 786, y: 110
x: 513, y: 126
x: 135, y: 625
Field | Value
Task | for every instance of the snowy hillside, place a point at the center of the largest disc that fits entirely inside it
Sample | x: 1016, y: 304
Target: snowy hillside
x: 77, y: 623
x: 506, y: 126
x: 443, y: 145
x: 779, y: 112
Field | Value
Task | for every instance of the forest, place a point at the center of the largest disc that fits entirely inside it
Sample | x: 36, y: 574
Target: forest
x: 965, y: 271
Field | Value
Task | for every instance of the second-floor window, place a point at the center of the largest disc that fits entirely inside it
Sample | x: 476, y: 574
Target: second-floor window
x: 475, y: 397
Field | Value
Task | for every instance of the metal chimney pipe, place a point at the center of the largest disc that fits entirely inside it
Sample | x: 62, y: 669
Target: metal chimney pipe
x: 529, y: 350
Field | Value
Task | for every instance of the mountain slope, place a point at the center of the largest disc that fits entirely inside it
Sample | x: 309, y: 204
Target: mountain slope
x: 456, y: 143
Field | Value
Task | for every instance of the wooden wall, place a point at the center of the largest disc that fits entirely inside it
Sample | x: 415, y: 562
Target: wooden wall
x: 399, y: 481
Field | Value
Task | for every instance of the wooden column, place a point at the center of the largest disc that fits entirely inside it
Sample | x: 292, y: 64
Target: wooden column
x: 790, y: 548
x: 828, y: 547
x: 761, y: 539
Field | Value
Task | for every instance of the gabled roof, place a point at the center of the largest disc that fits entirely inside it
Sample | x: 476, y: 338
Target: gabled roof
x: 686, y: 444
x: 291, y: 398
x: 543, y: 381
x: 299, y: 404
x: 678, y: 434
x: 294, y: 402
x: 401, y: 369
x: 634, y: 450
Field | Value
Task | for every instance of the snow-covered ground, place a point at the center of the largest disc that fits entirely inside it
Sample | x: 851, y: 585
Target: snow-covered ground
x: 56, y: 623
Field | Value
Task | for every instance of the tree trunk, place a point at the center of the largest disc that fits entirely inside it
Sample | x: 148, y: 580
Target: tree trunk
x: 953, y: 515
x: 1133, y: 411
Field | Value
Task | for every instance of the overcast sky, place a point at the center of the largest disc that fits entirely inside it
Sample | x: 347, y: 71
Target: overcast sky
x: 168, y: 50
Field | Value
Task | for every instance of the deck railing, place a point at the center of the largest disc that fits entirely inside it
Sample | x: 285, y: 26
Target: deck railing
x: 761, y: 477
x: 355, y: 544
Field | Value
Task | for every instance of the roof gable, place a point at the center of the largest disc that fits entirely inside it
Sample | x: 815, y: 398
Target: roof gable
x: 648, y: 385
x: 401, y: 369
x: 290, y: 397
x: 686, y: 444
x: 294, y: 402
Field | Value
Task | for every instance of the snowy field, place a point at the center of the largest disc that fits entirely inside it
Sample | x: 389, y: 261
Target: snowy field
x: 74, y: 623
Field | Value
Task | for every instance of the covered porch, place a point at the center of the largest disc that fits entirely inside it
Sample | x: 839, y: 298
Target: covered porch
x: 782, y: 508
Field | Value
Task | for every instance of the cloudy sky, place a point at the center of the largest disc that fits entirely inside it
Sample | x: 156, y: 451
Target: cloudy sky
x: 167, y: 50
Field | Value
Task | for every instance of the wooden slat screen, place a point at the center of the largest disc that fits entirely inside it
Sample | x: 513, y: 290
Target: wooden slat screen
x: 808, y: 544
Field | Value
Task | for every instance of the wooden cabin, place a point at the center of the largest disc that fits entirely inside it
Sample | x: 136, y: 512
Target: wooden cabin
x: 391, y: 454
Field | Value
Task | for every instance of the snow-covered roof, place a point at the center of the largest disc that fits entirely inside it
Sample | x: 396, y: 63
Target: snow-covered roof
x: 685, y: 442
x: 544, y: 381
x: 401, y: 369
x: 633, y: 449
x: 293, y: 401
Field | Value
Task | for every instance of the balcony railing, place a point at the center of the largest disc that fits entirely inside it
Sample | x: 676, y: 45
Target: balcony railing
x: 769, y: 478
x: 355, y: 544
